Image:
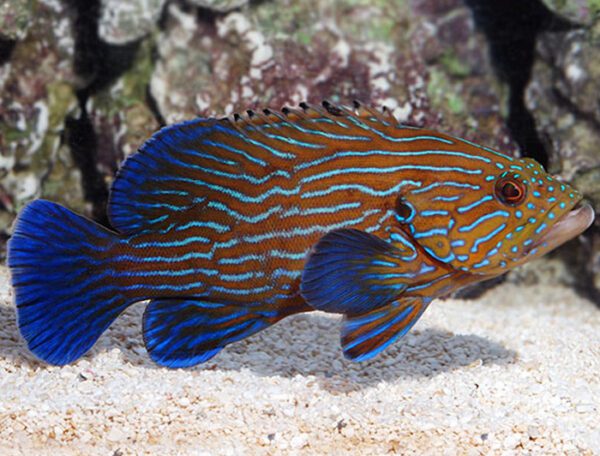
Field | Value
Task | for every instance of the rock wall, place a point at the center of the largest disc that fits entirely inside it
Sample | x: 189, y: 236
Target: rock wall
x: 84, y: 82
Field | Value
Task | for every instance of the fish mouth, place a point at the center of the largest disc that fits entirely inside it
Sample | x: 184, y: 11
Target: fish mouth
x: 572, y: 224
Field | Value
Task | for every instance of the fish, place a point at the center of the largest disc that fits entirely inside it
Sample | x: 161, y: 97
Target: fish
x: 226, y: 226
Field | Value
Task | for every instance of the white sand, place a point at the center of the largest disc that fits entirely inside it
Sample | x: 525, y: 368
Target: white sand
x: 517, y: 371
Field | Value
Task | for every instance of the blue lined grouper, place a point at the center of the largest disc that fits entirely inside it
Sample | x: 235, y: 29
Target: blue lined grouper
x: 229, y: 225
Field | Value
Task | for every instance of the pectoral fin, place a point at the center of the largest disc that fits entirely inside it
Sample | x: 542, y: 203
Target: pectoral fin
x: 350, y: 271
x: 365, y: 336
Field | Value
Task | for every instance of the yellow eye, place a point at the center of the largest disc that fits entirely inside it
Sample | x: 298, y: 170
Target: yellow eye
x: 510, y: 191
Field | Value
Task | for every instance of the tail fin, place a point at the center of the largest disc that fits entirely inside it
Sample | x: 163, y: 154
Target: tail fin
x: 64, y: 296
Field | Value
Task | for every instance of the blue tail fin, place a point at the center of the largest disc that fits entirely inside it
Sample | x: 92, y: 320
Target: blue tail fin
x: 64, y: 296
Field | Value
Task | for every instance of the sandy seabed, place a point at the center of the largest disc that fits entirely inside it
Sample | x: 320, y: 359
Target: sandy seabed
x: 517, y: 371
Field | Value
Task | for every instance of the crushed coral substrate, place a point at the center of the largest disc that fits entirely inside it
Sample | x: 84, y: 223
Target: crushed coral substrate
x: 517, y: 371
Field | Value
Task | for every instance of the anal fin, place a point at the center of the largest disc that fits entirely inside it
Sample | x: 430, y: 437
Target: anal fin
x: 183, y: 333
x: 366, y: 335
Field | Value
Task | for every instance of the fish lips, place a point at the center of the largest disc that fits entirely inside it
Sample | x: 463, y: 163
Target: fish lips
x: 572, y: 224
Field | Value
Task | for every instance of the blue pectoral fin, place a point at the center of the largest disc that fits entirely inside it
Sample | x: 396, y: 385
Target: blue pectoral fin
x: 351, y: 271
x: 365, y: 336
x: 183, y: 333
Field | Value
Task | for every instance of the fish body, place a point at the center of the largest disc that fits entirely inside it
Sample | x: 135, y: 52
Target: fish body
x: 229, y: 225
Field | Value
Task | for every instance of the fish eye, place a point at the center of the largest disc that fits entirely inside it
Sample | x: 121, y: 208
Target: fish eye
x: 511, y: 192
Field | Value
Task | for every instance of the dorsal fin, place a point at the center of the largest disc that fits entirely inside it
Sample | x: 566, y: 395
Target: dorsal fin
x: 310, y: 112
x: 184, y: 165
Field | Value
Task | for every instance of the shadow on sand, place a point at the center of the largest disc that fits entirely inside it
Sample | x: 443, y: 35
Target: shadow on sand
x: 306, y: 344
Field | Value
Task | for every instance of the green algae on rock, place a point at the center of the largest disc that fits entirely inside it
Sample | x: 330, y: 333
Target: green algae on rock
x: 15, y: 18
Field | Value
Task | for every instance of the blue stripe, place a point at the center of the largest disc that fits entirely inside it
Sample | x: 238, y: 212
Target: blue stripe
x: 169, y: 244
x: 234, y: 176
x: 447, y: 198
x: 245, y: 218
x: 320, y: 210
x: 198, y: 224
x: 268, y: 148
x: 381, y: 134
x: 298, y: 231
x: 394, y: 169
x: 196, y: 153
x: 379, y: 329
x: 474, y: 204
x: 380, y: 222
x: 432, y: 232
x: 480, y: 220
x: 241, y: 292
x: 481, y: 264
x: 446, y: 184
x: 362, y: 188
x: 234, y: 150
x: 327, y: 134
x: 294, y: 142
x: 430, y: 283
x: 405, y: 154
x: 433, y: 213
x: 487, y: 237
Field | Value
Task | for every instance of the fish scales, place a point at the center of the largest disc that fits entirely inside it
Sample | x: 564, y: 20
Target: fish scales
x: 230, y: 225
x: 296, y: 173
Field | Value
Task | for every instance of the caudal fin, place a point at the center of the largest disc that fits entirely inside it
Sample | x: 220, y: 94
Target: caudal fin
x: 64, y: 295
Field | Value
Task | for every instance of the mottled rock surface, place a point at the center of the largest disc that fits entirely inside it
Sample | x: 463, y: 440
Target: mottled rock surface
x: 420, y: 59
x: 117, y: 71
x: 36, y: 94
x: 15, y: 17
x: 581, y: 11
x: 122, y: 22
x: 564, y: 98
x: 221, y: 6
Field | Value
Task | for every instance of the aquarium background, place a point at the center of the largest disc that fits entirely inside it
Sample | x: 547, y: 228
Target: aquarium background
x: 84, y: 83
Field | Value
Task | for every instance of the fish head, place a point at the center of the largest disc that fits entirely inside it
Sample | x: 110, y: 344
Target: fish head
x: 513, y: 212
